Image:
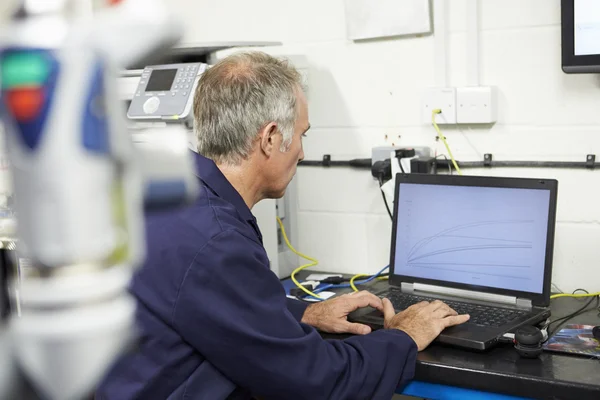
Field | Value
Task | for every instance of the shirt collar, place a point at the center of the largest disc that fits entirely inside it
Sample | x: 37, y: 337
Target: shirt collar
x: 212, y: 176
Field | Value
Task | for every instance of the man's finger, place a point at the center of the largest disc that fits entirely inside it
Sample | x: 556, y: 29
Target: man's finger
x: 356, y: 329
x: 455, y: 320
x: 444, y: 312
x: 365, y: 299
x: 388, y: 310
x: 436, y: 305
x: 418, y: 306
x: 363, y: 293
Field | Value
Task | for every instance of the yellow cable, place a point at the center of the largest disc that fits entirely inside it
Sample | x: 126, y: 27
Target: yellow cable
x: 352, y: 285
x: 441, y: 136
x: 312, y: 263
x: 556, y: 296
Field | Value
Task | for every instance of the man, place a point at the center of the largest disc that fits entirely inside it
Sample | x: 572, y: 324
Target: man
x: 215, y: 321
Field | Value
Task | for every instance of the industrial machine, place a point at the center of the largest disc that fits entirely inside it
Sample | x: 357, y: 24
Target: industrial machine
x: 81, y: 182
x: 165, y: 92
x: 80, y: 187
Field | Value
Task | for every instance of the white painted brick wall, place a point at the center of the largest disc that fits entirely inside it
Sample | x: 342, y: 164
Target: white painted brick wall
x: 361, y: 92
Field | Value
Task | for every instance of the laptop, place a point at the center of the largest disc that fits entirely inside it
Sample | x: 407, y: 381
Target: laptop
x: 483, y: 245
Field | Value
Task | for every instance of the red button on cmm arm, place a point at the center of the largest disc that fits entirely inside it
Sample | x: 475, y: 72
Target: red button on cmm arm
x: 25, y: 103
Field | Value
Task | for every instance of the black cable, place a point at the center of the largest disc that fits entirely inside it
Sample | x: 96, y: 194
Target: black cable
x: 580, y: 311
x: 528, y: 164
x: 574, y: 292
x: 334, y: 280
x: 580, y: 290
x: 387, y: 207
x: 401, y: 167
x: 365, y: 163
x: 447, y: 162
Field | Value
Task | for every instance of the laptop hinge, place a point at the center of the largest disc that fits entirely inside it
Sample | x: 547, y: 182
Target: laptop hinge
x: 407, y: 287
x: 524, y: 303
x: 482, y: 296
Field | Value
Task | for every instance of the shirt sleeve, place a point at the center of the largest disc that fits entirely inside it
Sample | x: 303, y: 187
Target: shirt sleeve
x: 296, y: 307
x: 234, y: 312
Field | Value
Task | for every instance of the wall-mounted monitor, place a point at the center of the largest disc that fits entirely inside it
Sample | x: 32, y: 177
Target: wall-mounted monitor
x: 580, y: 26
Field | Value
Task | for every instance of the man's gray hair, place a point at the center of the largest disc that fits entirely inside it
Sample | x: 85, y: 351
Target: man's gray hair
x: 239, y: 96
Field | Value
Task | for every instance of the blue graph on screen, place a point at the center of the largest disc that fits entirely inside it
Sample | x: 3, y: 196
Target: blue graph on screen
x: 485, y: 236
x: 463, y: 242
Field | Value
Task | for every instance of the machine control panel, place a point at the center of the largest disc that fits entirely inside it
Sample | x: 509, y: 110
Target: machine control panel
x: 165, y: 92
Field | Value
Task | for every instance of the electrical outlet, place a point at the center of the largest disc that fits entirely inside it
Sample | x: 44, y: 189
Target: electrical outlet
x: 382, y: 153
x: 476, y: 105
x: 443, y: 99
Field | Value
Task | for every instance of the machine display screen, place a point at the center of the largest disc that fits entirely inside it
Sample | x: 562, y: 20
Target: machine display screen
x: 161, y: 80
x: 587, y: 27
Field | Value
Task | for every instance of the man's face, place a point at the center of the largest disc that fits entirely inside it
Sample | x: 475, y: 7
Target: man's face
x: 283, y: 164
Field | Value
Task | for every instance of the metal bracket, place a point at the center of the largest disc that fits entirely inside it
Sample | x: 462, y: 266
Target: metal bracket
x: 487, y: 159
x: 590, y: 161
x: 327, y: 160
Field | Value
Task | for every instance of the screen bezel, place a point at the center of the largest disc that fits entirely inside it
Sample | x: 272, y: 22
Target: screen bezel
x: 572, y: 63
x: 538, y: 299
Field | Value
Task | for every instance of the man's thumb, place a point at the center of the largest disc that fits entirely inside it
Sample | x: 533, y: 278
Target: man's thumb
x: 388, y: 311
x: 358, y: 329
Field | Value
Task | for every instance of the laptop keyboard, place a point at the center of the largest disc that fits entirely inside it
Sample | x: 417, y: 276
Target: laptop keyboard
x: 480, y: 315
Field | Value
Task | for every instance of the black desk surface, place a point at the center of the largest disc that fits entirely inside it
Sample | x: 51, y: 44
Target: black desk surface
x: 501, y: 370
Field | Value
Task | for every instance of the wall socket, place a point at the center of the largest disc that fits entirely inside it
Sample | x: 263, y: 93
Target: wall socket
x: 463, y: 105
x: 439, y: 98
x: 476, y: 105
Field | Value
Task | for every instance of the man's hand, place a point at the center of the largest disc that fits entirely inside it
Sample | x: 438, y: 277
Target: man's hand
x: 332, y: 315
x: 423, y: 322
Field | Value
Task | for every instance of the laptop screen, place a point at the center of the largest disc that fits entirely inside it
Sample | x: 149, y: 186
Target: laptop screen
x: 485, y: 236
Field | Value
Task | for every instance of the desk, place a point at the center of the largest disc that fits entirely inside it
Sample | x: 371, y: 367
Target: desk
x: 500, y: 371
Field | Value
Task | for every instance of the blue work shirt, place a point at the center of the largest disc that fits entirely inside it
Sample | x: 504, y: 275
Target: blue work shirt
x: 216, y: 324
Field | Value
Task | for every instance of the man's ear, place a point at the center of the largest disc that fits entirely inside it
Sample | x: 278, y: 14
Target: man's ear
x: 268, y: 138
